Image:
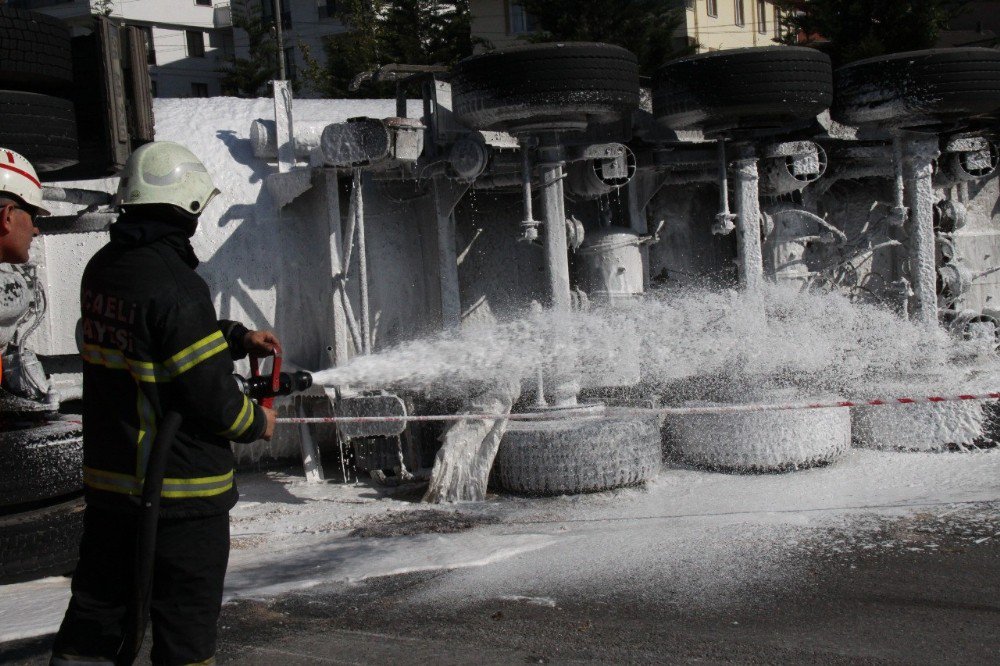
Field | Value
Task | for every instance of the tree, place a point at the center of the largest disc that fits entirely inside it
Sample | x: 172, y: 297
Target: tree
x: 858, y: 29
x: 414, y: 32
x: 646, y: 27
x: 248, y: 77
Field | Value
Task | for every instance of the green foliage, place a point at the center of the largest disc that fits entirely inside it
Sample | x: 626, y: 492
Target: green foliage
x: 413, y: 32
x: 248, y: 77
x: 858, y: 29
x: 646, y: 27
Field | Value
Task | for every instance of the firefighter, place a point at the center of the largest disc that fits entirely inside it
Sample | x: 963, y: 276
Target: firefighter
x: 20, y: 204
x: 151, y: 343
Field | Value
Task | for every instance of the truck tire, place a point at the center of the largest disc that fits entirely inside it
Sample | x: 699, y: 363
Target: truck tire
x: 546, y: 85
x: 39, y: 543
x: 40, y: 127
x: 752, y: 442
x: 34, y: 51
x: 566, y: 457
x: 41, y: 463
x: 918, y: 88
x: 750, y: 88
x: 939, y: 427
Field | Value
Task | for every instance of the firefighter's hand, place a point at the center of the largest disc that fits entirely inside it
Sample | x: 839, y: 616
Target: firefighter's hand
x: 260, y: 343
x: 269, y: 429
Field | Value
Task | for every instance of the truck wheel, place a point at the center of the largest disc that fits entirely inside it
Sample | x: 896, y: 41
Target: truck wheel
x: 40, y: 543
x: 34, y: 51
x: 40, y: 127
x: 750, y: 88
x: 565, y: 457
x: 918, y: 88
x: 546, y: 85
x: 938, y: 427
x: 41, y: 463
x: 769, y: 441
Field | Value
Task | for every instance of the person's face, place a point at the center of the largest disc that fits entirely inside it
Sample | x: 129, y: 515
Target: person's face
x: 17, y: 228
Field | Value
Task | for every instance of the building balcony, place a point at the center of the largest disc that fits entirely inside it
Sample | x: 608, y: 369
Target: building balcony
x: 223, y: 16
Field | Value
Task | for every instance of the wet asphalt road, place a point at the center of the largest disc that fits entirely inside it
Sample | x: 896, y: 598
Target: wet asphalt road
x: 896, y: 606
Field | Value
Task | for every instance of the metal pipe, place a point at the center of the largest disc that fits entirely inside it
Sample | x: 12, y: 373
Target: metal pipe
x: 554, y: 218
x: 529, y: 214
x: 921, y: 154
x: 724, y: 218
x: 280, y: 35
x: 359, y: 215
x: 529, y: 226
x: 899, y: 212
x: 351, y: 320
x: 750, y: 256
x: 76, y: 196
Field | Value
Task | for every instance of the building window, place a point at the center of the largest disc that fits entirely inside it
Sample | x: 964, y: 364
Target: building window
x: 777, y: 23
x: 199, y: 89
x: 689, y: 5
x: 147, y: 36
x: 203, y: 3
x: 326, y: 8
x: 290, y: 69
x: 712, y: 8
x: 519, y: 22
x: 740, y: 14
x: 195, y: 43
x: 762, y: 17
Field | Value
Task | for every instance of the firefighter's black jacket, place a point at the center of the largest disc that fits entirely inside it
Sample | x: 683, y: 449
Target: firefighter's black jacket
x: 151, y: 343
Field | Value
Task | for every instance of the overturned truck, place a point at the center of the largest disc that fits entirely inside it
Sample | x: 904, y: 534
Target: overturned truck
x: 544, y: 176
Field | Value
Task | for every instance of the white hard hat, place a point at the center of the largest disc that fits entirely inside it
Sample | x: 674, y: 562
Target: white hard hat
x: 163, y: 172
x: 18, y: 177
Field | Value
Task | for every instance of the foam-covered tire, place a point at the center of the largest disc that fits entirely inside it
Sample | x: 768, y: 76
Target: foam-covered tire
x: 34, y: 51
x: 939, y: 427
x: 749, y: 88
x: 918, y: 88
x: 767, y: 441
x: 567, y: 457
x: 39, y: 543
x: 540, y: 84
x: 41, y: 463
x: 40, y: 127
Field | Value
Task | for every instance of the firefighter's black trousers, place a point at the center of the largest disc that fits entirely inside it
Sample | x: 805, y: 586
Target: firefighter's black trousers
x: 190, y: 566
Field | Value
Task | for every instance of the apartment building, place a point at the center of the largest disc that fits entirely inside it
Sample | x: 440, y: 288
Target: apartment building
x: 714, y: 25
x: 710, y: 24
x: 187, y: 39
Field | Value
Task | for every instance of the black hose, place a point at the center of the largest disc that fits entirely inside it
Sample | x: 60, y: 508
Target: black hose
x: 145, y: 542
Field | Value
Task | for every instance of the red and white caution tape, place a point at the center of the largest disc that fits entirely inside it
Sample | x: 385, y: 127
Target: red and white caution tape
x: 612, y: 412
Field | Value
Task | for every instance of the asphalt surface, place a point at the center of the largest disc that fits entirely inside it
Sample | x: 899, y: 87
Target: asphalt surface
x: 902, y: 605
